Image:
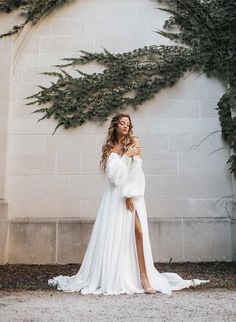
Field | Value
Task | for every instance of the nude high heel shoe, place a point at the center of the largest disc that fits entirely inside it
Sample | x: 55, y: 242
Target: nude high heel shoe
x: 148, y: 290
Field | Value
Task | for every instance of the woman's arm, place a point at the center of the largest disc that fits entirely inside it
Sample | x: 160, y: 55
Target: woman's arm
x: 134, y: 186
x: 137, y: 144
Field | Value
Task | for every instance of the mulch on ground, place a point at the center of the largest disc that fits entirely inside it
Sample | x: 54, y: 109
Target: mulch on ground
x: 35, y: 277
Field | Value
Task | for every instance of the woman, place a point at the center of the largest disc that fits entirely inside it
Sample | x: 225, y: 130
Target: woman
x: 118, y: 258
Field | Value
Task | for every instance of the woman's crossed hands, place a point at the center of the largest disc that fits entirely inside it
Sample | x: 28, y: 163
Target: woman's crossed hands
x: 134, y: 149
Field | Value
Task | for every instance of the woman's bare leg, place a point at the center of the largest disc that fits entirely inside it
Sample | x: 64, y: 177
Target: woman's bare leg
x: 139, y: 246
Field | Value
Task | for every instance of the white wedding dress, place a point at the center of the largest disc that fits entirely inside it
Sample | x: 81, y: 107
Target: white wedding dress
x: 110, y: 265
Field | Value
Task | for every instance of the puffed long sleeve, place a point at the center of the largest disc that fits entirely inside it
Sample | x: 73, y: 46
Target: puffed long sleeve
x: 134, y: 186
x: 117, y: 168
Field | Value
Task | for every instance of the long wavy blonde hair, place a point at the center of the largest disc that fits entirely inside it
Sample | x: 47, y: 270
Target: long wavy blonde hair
x: 112, y: 139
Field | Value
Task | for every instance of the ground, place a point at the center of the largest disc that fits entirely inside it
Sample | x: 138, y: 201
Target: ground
x: 216, y: 305
x: 34, y: 277
x: 25, y: 296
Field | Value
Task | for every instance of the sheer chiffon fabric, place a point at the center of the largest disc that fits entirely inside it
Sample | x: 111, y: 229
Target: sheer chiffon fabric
x: 110, y: 265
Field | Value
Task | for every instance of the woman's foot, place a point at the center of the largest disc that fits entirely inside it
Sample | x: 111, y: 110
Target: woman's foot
x: 147, y: 287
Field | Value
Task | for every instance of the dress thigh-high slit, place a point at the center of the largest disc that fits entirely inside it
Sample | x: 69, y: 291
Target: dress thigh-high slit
x: 139, y: 239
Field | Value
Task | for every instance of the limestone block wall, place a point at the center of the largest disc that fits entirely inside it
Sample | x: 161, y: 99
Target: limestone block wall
x: 5, y: 90
x: 52, y: 185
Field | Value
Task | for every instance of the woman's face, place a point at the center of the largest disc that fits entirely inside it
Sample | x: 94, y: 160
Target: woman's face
x: 123, y: 126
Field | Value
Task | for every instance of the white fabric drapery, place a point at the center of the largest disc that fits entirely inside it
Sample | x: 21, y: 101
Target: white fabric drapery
x: 110, y: 265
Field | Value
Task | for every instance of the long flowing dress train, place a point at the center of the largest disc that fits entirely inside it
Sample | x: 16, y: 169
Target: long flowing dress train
x: 110, y: 265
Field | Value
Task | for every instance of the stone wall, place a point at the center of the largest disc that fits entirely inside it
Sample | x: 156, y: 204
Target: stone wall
x: 5, y: 92
x: 48, y: 206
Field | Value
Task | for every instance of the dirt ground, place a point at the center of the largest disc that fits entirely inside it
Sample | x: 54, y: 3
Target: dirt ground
x: 34, y: 277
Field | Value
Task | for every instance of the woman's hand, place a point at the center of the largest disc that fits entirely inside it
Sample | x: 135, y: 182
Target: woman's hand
x: 129, y: 204
x: 137, y: 144
x: 133, y: 150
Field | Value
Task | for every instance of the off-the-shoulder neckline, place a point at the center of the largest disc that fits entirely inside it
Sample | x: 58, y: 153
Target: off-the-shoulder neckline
x: 117, y: 154
x: 120, y: 156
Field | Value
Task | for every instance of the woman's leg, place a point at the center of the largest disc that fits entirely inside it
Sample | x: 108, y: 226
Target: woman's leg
x: 139, y: 246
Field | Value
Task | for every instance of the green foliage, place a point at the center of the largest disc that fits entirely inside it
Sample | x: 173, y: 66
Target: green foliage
x: 33, y: 10
x: 128, y: 79
x: 208, y: 28
x: 228, y: 124
x: 205, y: 32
